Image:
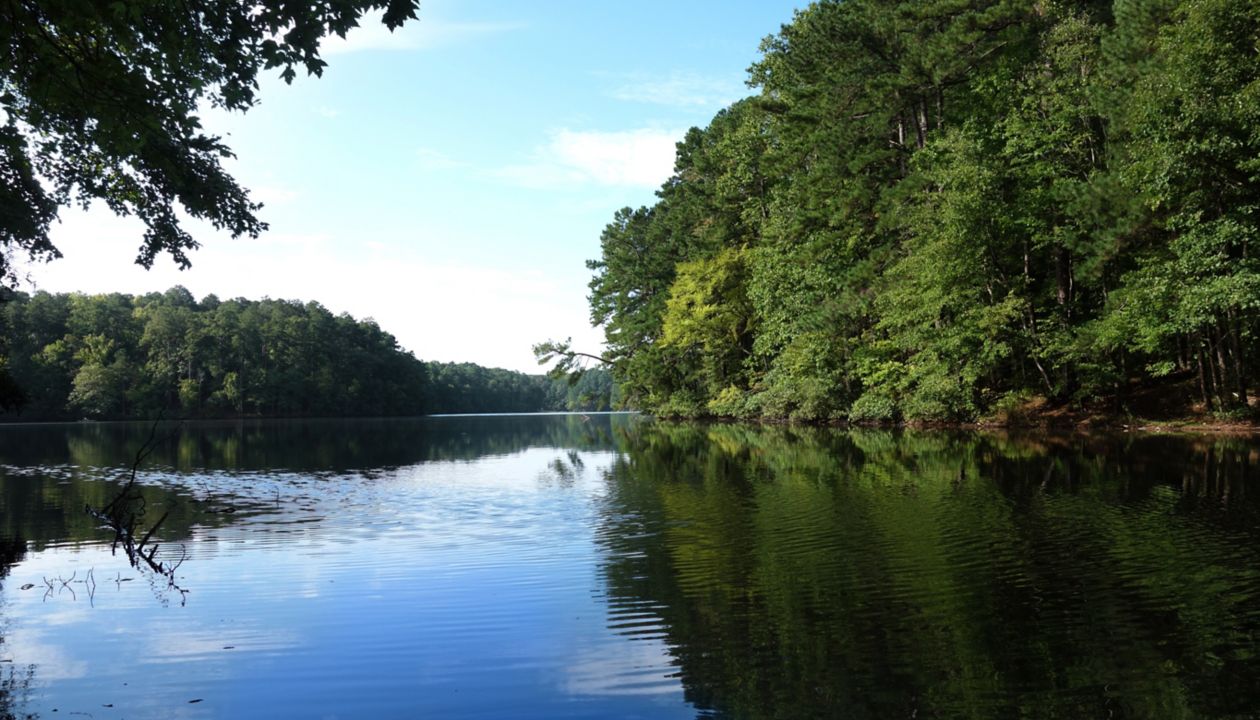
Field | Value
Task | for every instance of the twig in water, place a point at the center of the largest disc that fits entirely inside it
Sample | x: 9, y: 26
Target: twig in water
x: 125, y: 512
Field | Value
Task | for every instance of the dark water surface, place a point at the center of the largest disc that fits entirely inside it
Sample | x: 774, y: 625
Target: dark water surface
x: 617, y: 567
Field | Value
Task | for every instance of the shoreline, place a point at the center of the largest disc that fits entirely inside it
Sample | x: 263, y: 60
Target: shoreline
x: 1056, y: 422
x: 1057, y: 425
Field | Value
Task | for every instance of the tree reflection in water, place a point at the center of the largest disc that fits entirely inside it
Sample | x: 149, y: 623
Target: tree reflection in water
x: 820, y: 573
x: 791, y: 572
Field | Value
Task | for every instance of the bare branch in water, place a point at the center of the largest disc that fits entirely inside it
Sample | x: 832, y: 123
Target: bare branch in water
x: 125, y: 513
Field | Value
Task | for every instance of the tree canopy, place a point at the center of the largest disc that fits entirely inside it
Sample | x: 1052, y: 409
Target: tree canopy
x: 941, y: 209
x: 99, y: 100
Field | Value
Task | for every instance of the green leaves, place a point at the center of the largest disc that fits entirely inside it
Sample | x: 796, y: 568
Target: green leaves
x: 98, y: 99
x: 935, y: 205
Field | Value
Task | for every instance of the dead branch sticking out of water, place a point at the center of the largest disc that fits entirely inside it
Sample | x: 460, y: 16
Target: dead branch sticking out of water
x: 125, y: 515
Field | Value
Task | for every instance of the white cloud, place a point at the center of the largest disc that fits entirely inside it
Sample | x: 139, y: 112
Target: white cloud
x: 30, y: 646
x: 422, y: 34
x: 441, y: 310
x: 203, y: 645
x: 630, y: 158
x: 681, y: 89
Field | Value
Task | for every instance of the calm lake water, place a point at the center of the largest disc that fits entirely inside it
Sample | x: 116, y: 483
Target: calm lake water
x: 616, y: 567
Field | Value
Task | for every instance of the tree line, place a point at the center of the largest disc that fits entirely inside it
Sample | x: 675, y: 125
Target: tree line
x: 937, y: 209
x: 70, y: 356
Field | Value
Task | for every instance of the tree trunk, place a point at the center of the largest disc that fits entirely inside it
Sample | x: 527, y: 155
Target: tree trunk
x: 1124, y: 373
x: 1220, y: 375
x: 1027, y: 265
x: 1240, y: 366
x: 1203, y: 378
x: 1045, y: 378
x: 901, y: 144
x: 921, y: 128
x: 1063, y: 279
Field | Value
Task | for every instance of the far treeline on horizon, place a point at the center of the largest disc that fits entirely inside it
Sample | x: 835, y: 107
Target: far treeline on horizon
x: 936, y: 210
x: 927, y: 210
x: 117, y: 356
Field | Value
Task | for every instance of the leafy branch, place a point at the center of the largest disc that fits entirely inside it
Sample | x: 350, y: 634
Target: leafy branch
x: 569, y: 362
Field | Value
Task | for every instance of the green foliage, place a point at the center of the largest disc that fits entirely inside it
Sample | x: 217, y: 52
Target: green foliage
x: 99, y: 101
x: 98, y: 388
x: 934, y: 205
x: 119, y: 356
x: 708, y: 313
x: 730, y: 402
x: 469, y: 388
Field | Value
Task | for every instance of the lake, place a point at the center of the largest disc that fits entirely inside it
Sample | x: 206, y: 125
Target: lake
x: 613, y: 566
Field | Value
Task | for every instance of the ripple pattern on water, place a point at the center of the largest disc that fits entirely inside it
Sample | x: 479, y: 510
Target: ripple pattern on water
x: 601, y: 570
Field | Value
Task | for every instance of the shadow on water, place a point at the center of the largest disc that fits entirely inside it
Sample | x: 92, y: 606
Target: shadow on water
x: 804, y: 572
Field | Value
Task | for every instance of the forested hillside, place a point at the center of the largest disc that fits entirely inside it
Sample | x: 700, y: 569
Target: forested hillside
x: 938, y: 209
x: 121, y: 356
x: 469, y: 388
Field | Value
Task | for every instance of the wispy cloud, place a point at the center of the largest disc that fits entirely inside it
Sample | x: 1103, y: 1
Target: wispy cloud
x: 423, y: 34
x: 680, y: 89
x: 633, y: 158
x: 433, y: 160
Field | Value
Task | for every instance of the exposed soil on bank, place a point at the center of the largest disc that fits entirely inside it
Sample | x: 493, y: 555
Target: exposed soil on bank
x: 1173, y: 405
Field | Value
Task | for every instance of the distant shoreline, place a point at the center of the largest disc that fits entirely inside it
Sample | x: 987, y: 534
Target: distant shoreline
x: 1056, y: 424
x: 307, y: 418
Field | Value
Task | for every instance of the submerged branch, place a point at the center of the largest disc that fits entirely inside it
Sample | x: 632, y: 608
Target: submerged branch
x: 124, y: 515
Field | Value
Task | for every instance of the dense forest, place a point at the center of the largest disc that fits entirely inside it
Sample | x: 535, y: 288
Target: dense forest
x: 951, y: 209
x: 122, y: 356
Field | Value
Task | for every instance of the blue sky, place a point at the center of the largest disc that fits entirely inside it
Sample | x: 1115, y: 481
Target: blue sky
x: 450, y: 180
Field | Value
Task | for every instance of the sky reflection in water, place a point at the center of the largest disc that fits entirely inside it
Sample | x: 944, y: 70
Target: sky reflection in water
x: 451, y: 587
x: 570, y: 566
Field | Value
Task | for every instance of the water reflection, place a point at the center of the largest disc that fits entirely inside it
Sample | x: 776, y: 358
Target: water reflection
x: 304, y: 445
x: 211, y: 472
x: 615, y: 567
x: 874, y: 574
x: 15, y: 679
